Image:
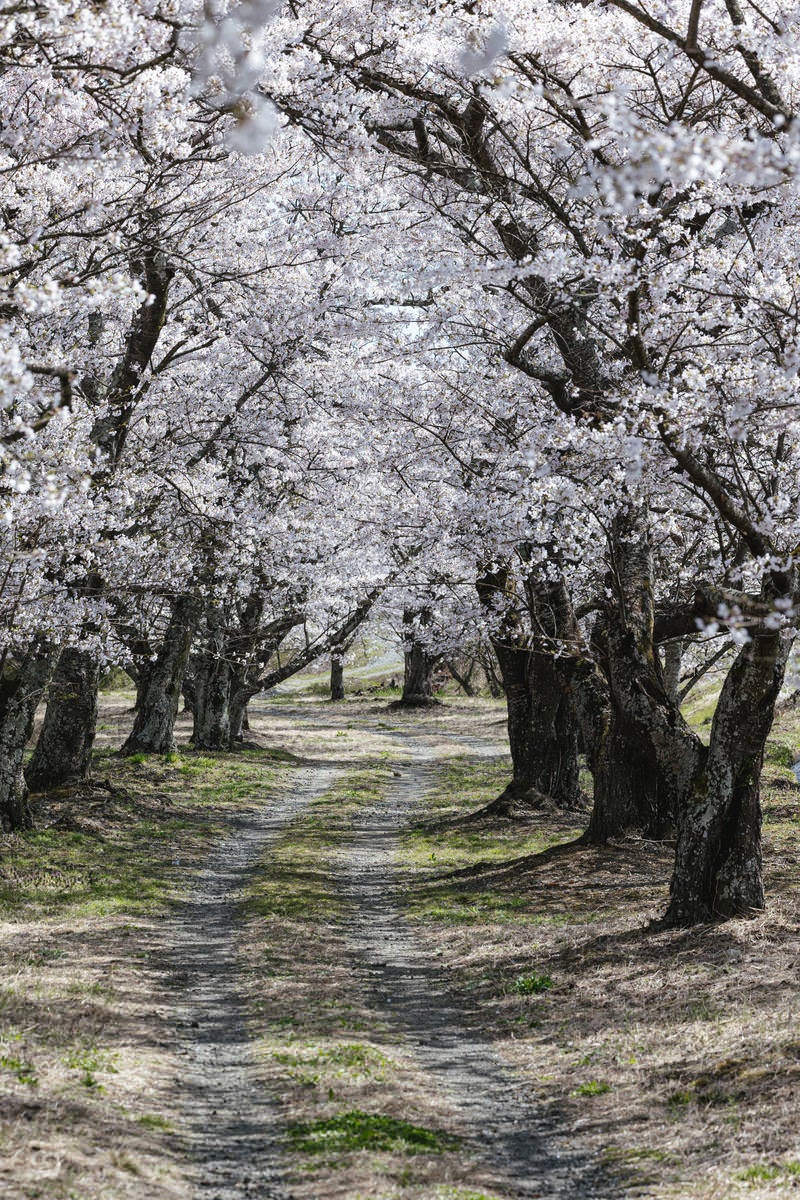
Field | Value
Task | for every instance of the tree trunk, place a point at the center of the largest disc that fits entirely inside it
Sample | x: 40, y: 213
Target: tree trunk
x: 463, y: 677
x: 418, y: 663
x: 212, y: 707
x: 542, y: 730
x: 628, y: 786
x: 64, y: 748
x: 144, y: 670
x: 718, y: 857
x: 672, y: 654
x: 154, y: 725
x: 493, y: 678
x: 337, y: 677
x: 651, y: 756
x: 21, y: 688
x: 542, y: 723
x: 239, y: 724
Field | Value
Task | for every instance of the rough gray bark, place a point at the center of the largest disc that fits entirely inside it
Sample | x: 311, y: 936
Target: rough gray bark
x: 64, y: 748
x: 337, y: 677
x: 142, y: 680
x: 542, y: 726
x: 672, y: 657
x: 650, y: 757
x: 418, y: 662
x: 213, y: 677
x: 187, y: 691
x: 239, y: 723
x: 718, y: 858
x: 21, y: 688
x: 624, y: 766
x: 154, y: 724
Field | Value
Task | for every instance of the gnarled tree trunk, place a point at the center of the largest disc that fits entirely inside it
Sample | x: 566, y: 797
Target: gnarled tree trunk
x: 64, y: 749
x: 649, y: 757
x: 625, y: 767
x: 239, y: 724
x: 542, y: 725
x: 154, y: 725
x: 213, y: 679
x: 21, y: 688
x: 542, y: 730
x: 718, y: 857
x: 418, y: 662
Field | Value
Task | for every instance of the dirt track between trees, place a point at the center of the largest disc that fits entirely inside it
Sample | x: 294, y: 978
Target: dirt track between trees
x: 500, y: 1127
x: 265, y: 974
x: 230, y: 1122
x: 233, y: 1127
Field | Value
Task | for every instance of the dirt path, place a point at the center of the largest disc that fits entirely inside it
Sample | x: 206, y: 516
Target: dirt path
x: 229, y: 1118
x: 501, y: 1129
x: 231, y: 1122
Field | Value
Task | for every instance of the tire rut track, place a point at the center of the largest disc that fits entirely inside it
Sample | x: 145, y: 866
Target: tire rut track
x: 228, y: 1115
x: 502, y: 1129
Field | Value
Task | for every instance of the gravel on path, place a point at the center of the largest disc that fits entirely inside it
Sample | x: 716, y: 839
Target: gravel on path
x: 502, y: 1129
x: 229, y: 1118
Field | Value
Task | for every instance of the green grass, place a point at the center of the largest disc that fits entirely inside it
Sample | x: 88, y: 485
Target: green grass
x: 531, y: 985
x: 24, y: 1071
x: 350, y: 1132
x: 779, y: 755
x: 90, y: 1061
x: 592, y: 1087
x: 154, y: 1121
x: 448, y: 906
x: 117, y: 852
x: 464, y: 787
x: 297, y: 882
x: 767, y: 1172
x: 353, y: 1061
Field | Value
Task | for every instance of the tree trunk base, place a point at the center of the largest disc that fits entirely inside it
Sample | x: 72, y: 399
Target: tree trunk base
x: 416, y: 702
x: 516, y: 805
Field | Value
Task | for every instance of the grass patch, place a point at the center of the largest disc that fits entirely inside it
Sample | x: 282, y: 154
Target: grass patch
x: 90, y: 1061
x: 768, y: 1172
x: 531, y: 985
x: 592, y: 1087
x: 122, y: 849
x: 353, y: 1061
x: 154, y: 1121
x: 298, y: 882
x: 22, y: 1070
x: 350, y: 1132
x: 87, y: 1030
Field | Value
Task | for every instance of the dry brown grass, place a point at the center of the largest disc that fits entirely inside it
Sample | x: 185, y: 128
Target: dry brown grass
x: 90, y: 1080
x: 674, y: 1055
x: 695, y: 1034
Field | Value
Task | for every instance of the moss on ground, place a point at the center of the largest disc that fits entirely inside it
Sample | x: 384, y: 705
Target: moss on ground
x: 123, y: 845
x: 349, y: 1132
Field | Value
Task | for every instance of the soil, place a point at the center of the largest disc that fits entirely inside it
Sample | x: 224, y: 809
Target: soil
x: 525, y: 1152
x: 233, y: 1127
x: 503, y: 978
x: 233, y: 1136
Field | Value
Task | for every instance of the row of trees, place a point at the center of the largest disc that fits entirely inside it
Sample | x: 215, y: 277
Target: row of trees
x: 481, y: 319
